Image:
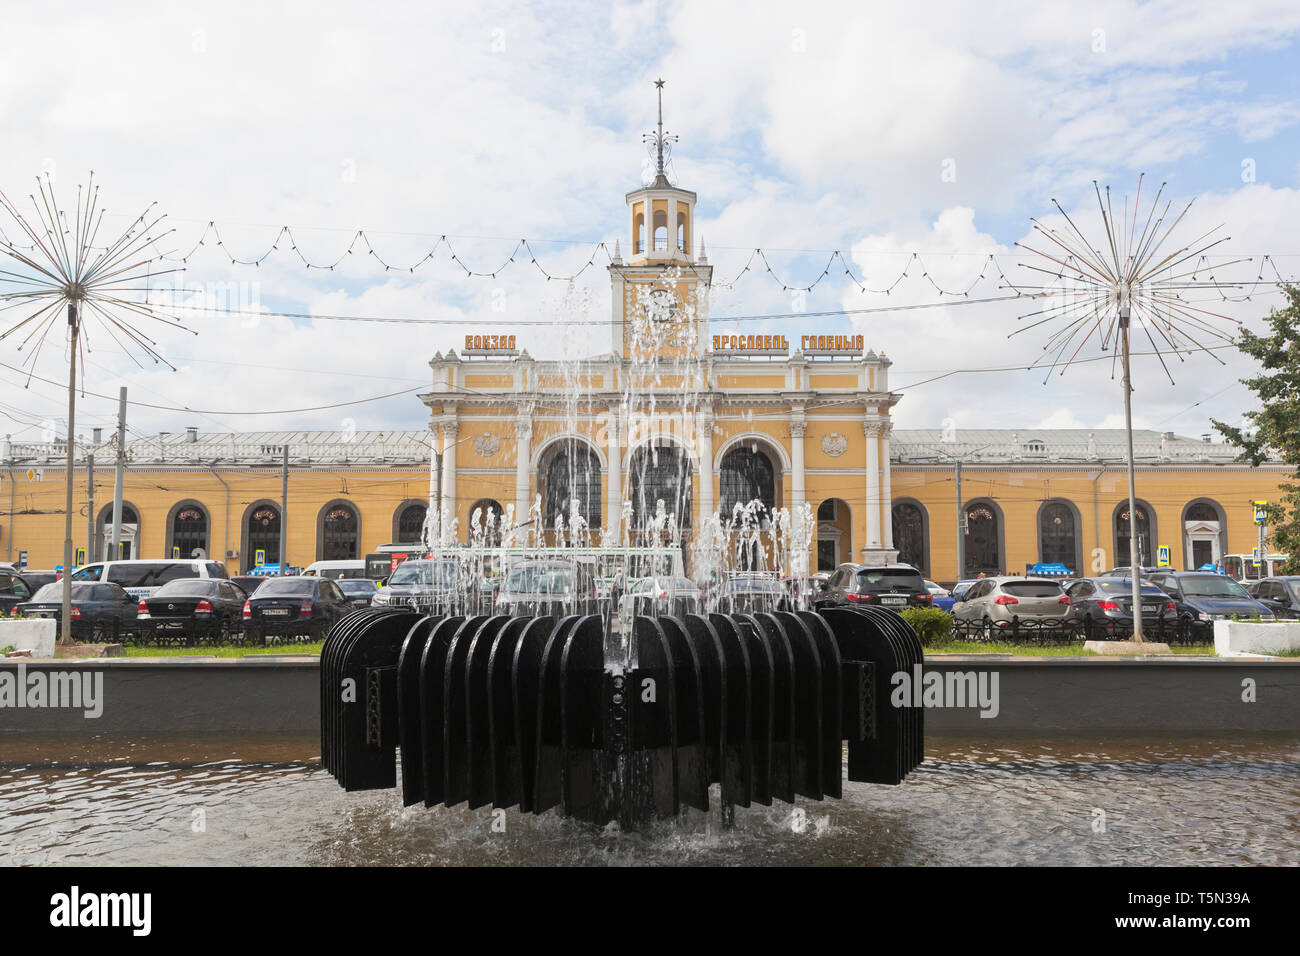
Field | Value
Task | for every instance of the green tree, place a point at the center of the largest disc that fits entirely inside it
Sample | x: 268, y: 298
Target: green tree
x: 1273, y: 432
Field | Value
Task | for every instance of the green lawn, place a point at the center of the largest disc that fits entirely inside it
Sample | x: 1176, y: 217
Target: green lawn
x: 1029, y: 650
x: 225, y: 651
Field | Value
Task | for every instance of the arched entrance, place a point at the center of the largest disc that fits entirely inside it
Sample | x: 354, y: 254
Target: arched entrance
x: 338, y: 533
x: 130, y: 533
x: 911, y: 526
x: 659, y: 472
x: 983, y: 542
x: 261, y: 534
x: 834, y: 534
x: 1205, y: 533
x: 1146, y: 531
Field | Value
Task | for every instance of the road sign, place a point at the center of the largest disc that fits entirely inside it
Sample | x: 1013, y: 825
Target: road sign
x: 259, y: 557
x: 176, y: 551
x: 81, y: 556
x: 1261, y: 516
x: 1163, y: 556
x: 22, y: 559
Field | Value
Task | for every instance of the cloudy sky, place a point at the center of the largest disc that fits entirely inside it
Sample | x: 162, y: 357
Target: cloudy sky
x: 880, y: 130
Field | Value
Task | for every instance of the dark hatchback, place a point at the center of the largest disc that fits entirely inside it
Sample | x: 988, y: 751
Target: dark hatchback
x: 1103, y: 606
x: 1281, y: 595
x: 752, y: 594
x: 203, y: 607
x: 99, y: 611
x: 297, y: 606
x: 15, y: 589
x: 248, y: 583
x: 358, y: 591
x: 896, y: 587
x: 1204, y: 597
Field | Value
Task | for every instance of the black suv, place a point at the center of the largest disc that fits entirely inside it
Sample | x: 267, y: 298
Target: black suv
x: 1281, y: 595
x: 894, y: 586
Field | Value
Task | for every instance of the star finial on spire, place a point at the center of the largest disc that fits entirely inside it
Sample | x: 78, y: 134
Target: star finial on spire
x: 660, y: 139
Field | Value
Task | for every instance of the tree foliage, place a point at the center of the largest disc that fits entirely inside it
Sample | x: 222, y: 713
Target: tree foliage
x: 1273, y: 432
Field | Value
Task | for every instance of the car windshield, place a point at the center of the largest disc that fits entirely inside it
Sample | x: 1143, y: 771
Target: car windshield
x: 889, y: 577
x: 1031, y: 588
x: 149, y: 575
x: 188, y: 586
x: 1122, y: 586
x: 424, y: 572
x: 540, y: 580
x: 282, y: 586
x: 664, y: 584
x: 1212, y: 585
x: 53, y: 593
x: 356, y: 586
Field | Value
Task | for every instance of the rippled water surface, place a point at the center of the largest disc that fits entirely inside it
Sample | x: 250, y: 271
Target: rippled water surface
x: 251, y: 802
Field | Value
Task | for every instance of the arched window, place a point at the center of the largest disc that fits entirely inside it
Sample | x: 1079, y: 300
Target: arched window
x: 410, y: 524
x: 1143, y: 523
x: 263, y: 535
x: 661, y: 230
x: 339, y: 533
x: 1057, y: 535
x: 491, y: 516
x: 909, y: 534
x: 983, y: 547
x: 746, y: 475
x: 638, y: 233
x: 130, y: 533
x: 659, y: 473
x: 1201, y: 512
x: 189, y: 532
x: 573, y: 472
x: 681, y: 232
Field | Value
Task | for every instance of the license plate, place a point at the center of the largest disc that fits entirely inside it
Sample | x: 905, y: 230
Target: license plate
x: 893, y: 600
x: 275, y: 612
x: 1149, y: 609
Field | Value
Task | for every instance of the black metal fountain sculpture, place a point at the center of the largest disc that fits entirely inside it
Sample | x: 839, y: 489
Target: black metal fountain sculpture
x: 563, y: 713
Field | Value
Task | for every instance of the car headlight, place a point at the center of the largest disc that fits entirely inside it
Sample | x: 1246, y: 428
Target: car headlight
x: 1205, y: 617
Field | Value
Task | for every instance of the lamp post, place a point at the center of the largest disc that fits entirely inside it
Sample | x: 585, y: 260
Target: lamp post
x: 61, y: 259
x: 74, y: 328
x: 1098, y: 290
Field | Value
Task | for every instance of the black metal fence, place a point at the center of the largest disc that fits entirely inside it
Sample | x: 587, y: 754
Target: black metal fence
x: 1066, y: 633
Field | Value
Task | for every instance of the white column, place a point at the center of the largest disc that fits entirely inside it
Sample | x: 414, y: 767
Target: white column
x: 613, y: 475
x: 450, y: 432
x: 798, y: 426
x: 706, y: 465
x: 523, y: 453
x: 871, y: 429
x: 886, y: 499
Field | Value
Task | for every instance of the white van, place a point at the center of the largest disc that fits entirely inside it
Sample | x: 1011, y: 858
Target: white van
x: 140, y: 578
x: 336, y: 570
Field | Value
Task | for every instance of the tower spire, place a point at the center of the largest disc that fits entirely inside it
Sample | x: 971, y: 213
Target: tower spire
x: 660, y: 140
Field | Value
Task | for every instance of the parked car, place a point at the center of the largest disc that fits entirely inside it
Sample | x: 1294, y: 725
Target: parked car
x: 1103, y: 606
x: 1203, y: 597
x: 201, y: 607
x: 744, y: 593
x: 1124, y: 572
x: 668, y: 596
x: 14, y: 590
x: 140, y: 578
x: 294, y: 606
x: 1281, y: 595
x: 248, y: 583
x: 940, y: 597
x: 358, y: 591
x: 894, y: 586
x: 427, y: 585
x: 337, y: 570
x: 38, y: 579
x: 1004, y: 602
x: 101, y: 612
x: 546, y: 586
x: 961, y: 587
x: 808, y: 588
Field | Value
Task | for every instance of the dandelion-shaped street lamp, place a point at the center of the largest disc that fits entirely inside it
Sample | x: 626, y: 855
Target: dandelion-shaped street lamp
x: 1136, y: 277
x: 53, y: 268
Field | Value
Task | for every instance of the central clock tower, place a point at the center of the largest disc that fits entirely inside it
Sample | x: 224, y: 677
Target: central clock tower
x: 660, y: 293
